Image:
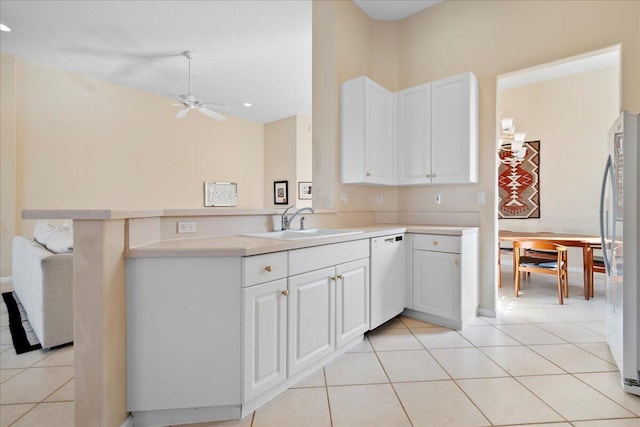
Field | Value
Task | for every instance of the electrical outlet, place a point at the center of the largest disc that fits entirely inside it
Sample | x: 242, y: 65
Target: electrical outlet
x: 186, y: 227
x: 481, y: 198
x: 344, y: 198
x: 437, y: 199
x: 379, y: 199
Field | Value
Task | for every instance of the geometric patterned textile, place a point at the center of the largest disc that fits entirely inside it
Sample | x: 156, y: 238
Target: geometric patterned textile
x: 519, y: 184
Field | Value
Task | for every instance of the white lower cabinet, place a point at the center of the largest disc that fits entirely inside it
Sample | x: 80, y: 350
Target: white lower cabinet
x: 215, y: 337
x: 328, y: 300
x: 265, y: 337
x: 327, y: 309
x: 445, y: 278
x: 311, y: 318
x: 436, y: 283
x: 352, y: 300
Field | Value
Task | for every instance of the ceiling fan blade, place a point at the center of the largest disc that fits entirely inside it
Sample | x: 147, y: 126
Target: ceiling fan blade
x: 212, y: 114
x: 181, y: 113
x: 216, y: 105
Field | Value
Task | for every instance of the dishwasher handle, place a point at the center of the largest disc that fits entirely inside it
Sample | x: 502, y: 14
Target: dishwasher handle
x: 387, y: 240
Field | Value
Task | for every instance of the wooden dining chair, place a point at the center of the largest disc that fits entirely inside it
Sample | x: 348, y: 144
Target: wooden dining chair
x: 597, y: 265
x: 531, y: 262
x: 502, y: 250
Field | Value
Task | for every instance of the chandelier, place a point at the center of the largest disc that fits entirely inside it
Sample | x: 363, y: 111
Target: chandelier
x: 510, y: 142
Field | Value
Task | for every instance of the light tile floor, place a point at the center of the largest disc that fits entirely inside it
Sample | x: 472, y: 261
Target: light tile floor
x: 537, y: 363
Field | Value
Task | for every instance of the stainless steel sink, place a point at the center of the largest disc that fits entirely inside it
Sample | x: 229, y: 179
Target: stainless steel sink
x: 303, y: 234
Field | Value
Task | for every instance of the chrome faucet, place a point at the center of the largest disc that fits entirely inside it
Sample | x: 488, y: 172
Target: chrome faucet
x: 287, y: 220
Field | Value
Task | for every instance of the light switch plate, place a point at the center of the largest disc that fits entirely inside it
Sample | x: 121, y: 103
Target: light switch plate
x: 437, y: 199
x: 344, y: 198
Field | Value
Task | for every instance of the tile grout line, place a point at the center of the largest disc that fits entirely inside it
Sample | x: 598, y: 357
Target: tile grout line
x: 326, y: 390
x: 573, y: 375
x: 511, y: 376
x: 453, y: 379
x: 395, y: 392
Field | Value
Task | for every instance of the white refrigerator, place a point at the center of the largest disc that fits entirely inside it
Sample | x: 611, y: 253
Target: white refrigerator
x: 619, y: 230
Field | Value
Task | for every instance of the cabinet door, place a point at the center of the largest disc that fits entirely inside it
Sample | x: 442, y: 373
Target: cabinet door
x: 265, y: 337
x: 436, y: 283
x: 352, y: 300
x: 311, y: 318
x: 378, y: 144
x: 414, y: 135
x: 454, y: 129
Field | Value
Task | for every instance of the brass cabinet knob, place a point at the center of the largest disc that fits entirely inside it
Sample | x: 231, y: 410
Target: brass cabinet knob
x: 457, y: 262
x: 268, y: 268
x: 285, y: 293
x: 368, y: 173
x: 339, y: 276
x: 435, y: 243
x: 332, y: 278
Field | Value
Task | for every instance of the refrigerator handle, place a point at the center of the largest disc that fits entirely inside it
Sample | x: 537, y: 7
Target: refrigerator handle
x: 607, y: 168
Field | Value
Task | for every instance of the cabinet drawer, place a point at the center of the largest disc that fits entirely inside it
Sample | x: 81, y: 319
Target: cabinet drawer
x: 437, y: 242
x: 317, y: 257
x: 263, y: 268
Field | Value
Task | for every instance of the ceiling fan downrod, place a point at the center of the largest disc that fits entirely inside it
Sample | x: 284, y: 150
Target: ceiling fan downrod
x: 188, y: 54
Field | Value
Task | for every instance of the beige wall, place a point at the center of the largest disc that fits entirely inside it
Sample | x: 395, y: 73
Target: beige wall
x: 354, y: 45
x: 8, y: 161
x: 304, y: 153
x: 287, y: 157
x: 279, y: 158
x: 488, y: 38
x: 491, y: 38
x: 571, y: 117
x: 84, y: 143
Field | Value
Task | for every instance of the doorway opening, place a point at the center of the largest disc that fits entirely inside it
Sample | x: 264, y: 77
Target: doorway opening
x: 568, y: 106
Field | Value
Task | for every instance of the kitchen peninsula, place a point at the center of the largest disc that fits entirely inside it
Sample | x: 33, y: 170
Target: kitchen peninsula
x: 127, y: 264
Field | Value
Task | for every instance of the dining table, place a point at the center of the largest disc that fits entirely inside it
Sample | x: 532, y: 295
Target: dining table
x: 584, y: 241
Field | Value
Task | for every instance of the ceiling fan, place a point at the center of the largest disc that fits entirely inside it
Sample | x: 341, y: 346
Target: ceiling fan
x: 190, y: 102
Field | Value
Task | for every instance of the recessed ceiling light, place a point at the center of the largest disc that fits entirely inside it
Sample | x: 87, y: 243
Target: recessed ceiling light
x: 4, y: 28
x: 247, y: 104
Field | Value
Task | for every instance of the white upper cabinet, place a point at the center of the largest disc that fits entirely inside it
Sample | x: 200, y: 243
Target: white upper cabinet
x: 438, y: 132
x: 414, y: 135
x: 366, y: 139
x: 436, y: 140
x: 454, y: 130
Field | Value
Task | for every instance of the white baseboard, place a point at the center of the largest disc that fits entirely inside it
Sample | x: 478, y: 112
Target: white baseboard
x: 128, y: 422
x: 6, y: 279
x: 486, y: 312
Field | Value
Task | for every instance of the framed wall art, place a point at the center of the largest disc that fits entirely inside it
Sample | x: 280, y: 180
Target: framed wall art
x: 304, y: 190
x: 218, y: 193
x: 280, y: 192
x: 519, y: 184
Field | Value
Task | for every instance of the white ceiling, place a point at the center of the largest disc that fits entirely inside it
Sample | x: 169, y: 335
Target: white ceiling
x: 243, y: 51
x: 393, y: 10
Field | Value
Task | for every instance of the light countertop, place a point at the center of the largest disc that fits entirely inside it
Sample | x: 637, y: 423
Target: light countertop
x: 247, y: 246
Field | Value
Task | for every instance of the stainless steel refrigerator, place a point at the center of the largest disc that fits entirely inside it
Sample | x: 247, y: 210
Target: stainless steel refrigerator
x: 619, y: 230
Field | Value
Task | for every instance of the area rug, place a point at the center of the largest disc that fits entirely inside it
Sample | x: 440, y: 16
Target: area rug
x: 519, y: 184
x: 23, y: 337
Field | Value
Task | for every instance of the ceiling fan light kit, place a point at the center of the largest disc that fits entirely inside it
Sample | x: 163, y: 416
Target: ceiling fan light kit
x: 190, y: 102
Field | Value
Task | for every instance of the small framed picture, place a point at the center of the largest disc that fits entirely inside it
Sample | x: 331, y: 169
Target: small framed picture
x: 280, y: 192
x: 304, y: 190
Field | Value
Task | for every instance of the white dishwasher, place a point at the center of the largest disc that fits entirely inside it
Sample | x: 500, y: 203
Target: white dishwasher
x: 387, y: 278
